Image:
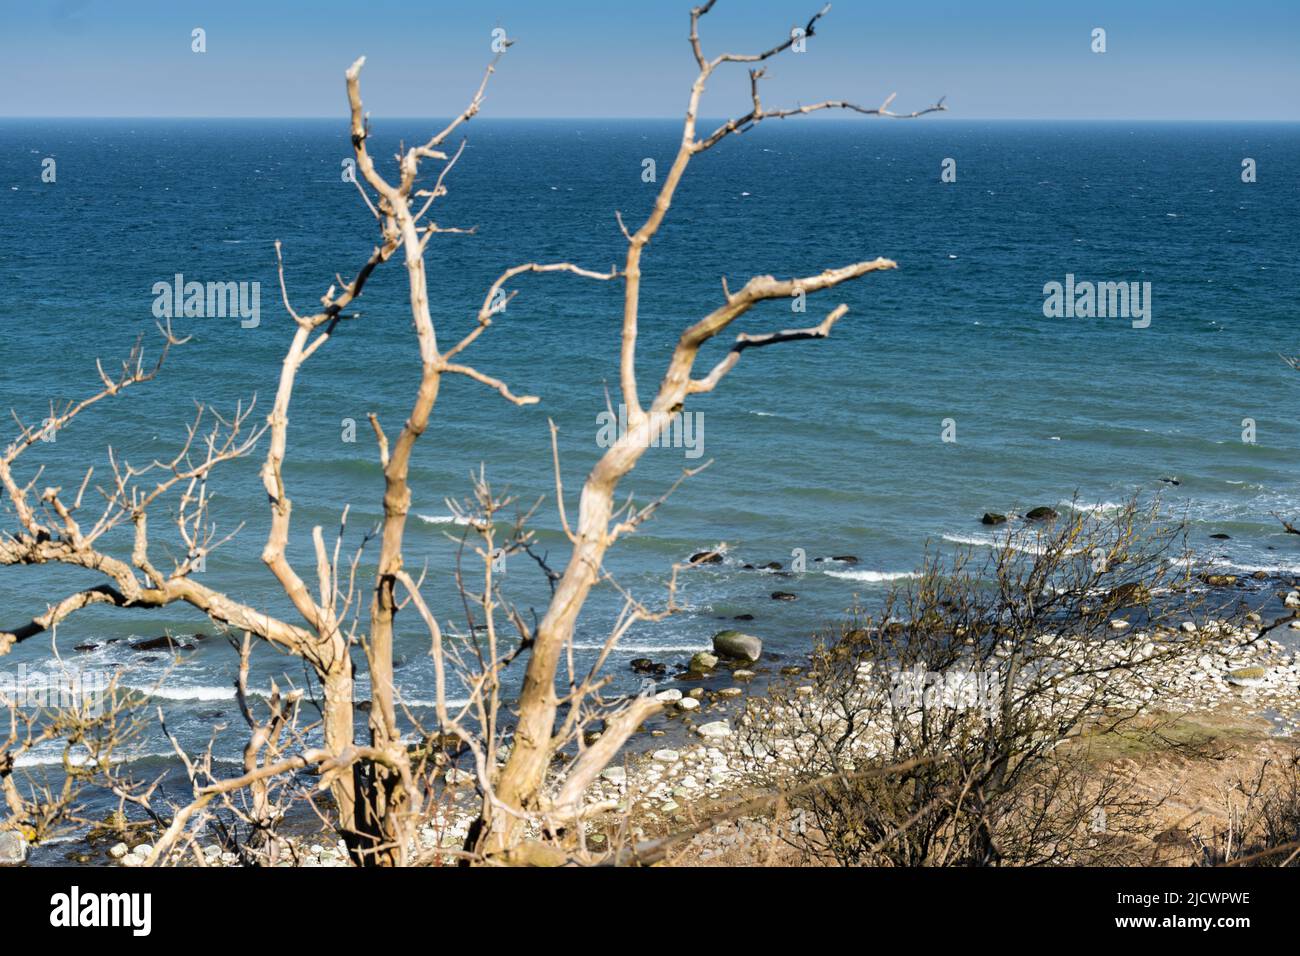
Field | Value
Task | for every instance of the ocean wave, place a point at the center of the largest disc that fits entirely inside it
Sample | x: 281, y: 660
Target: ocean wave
x: 431, y: 704
x: 1278, y: 569
x: 205, y: 693
x: 647, y: 648
x: 54, y: 758
x: 443, y: 519
x: 991, y: 541
x: 873, y: 577
x: 1102, y: 507
x: 190, y: 693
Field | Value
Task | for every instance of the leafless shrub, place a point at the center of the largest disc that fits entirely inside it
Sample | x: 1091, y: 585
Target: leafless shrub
x: 90, y: 727
x: 1262, y: 817
x: 988, y: 679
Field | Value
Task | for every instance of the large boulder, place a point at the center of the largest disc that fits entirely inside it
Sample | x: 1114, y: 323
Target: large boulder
x: 992, y: 517
x: 737, y: 646
x: 164, y: 643
x: 1041, y: 513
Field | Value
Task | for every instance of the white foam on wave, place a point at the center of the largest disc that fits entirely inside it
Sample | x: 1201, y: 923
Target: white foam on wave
x: 645, y: 648
x: 979, y: 541
x: 204, y: 693
x: 988, y: 541
x: 873, y: 577
x: 1266, y: 568
x: 1101, y: 507
x: 190, y: 693
x: 55, y: 756
x: 432, y: 704
x: 443, y: 519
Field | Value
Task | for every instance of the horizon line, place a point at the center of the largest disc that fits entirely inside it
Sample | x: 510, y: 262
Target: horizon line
x: 343, y: 118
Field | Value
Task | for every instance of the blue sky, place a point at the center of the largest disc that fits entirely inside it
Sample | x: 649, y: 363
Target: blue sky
x: 999, y: 59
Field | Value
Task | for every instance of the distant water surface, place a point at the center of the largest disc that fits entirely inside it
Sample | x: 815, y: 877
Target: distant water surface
x: 832, y: 447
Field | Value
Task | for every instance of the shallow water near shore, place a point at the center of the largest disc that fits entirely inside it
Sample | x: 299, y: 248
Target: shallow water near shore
x: 825, y: 448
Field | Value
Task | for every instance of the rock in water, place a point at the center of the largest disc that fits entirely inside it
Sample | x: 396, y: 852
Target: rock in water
x: 1219, y: 580
x: 643, y: 665
x: 1132, y: 594
x: 707, y: 557
x: 13, y: 848
x: 991, y: 517
x: 702, y: 663
x: 1042, y: 513
x: 737, y: 645
x: 784, y: 596
x: 164, y: 643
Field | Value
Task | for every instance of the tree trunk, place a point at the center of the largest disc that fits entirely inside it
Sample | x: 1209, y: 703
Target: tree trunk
x: 353, y: 790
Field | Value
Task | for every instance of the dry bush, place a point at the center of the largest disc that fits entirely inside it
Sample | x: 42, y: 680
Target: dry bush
x: 976, y: 683
x: 1262, y: 821
x: 88, y: 721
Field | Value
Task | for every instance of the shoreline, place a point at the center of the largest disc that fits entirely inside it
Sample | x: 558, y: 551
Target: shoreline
x: 688, y: 763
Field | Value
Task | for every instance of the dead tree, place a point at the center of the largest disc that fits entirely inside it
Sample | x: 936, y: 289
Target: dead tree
x: 379, y: 787
x: 521, y: 782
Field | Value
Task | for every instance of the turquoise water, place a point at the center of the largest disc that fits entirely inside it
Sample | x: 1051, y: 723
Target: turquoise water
x: 831, y: 447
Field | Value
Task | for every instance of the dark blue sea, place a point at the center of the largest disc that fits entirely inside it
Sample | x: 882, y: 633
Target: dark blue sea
x: 833, y: 447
